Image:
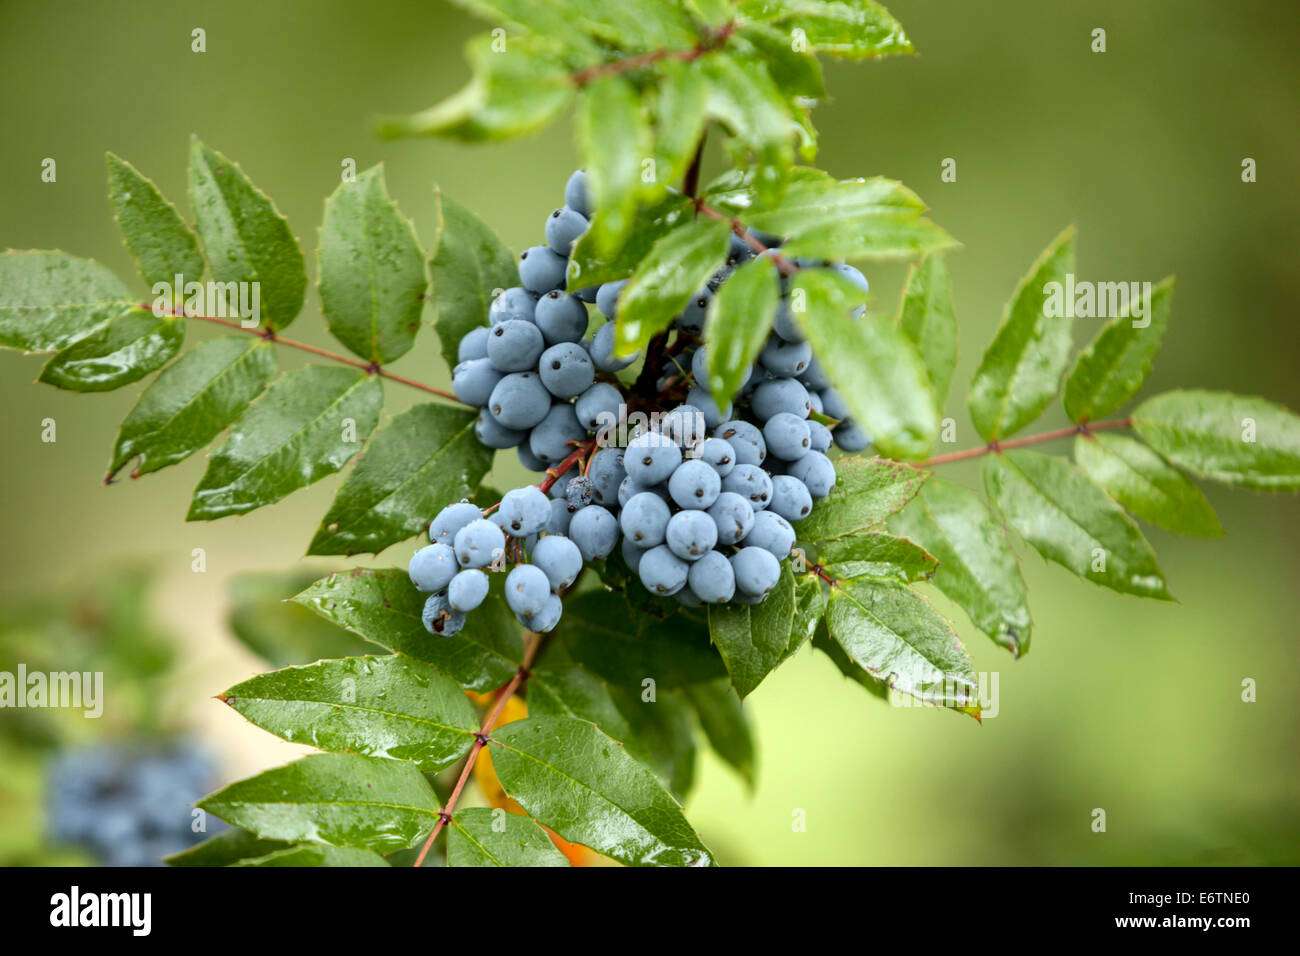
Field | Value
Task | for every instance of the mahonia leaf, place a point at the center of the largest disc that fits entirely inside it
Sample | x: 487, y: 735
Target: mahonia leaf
x: 488, y: 836
x: 753, y: 639
x: 870, y: 361
x: 394, y: 707
x: 49, y: 300
x: 680, y: 104
x: 278, y: 630
x: 244, y: 236
x: 926, y: 317
x: 226, y: 848
x: 579, y: 782
x: 590, y: 266
x: 384, y: 608
x: 162, y: 245
x: 723, y: 720
x: 794, y: 68
x: 339, y: 799
x: 310, y: 856
x: 307, y: 426
x: 1145, y: 484
x: 744, y: 98
x: 1069, y: 520
x: 1021, y: 370
x: 193, y: 399
x: 614, y: 138
x: 809, y: 609
x: 411, y: 468
x: 739, y: 317
x: 879, y: 555
x: 977, y: 569
x: 372, y: 271
x: 853, y: 29
x: 866, y: 492
x: 846, y: 665
x: 1111, y: 370
x: 1234, y: 439
x: 125, y: 349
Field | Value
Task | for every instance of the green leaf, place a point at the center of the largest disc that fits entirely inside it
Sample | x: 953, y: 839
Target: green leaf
x: 1021, y: 370
x: 372, y: 270
x: 192, y: 401
x: 394, y: 707
x: 870, y: 361
x: 1111, y: 370
x: 878, y: 555
x: 162, y: 245
x: 469, y: 265
x: 977, y: 569
x: 123, y: 350
x: 896, y: 636
x: 854, y: 29
x: 244, y: 236
x: 625, y: 643
x: 1235, y: 439
x: 339, y: 799
x: 873, y: 218
x: 743, y: 97
x: 411, y: 468
x: 680, y: 114
x: 272, y: 626
x: 846, y: 665
x: 590, y: 266
x: 50, y: 299
x: 796, y: 71
x: 308, y: 425
x: 613, y: 137
x: 723, y: 721
x: 678, y: 267
x: 1145, y: 484
x: 311, y: 856
x: 485, y: 836
x: 753, y: 639
x: 809, y: 609
x: 866, y: 492
x: 227, y: 847
x: 926, y: 317
x: 578, y: 781
x: 384, y: 608
x: 515, y: 90
x: 1069, y: 520
x: 739, y: 318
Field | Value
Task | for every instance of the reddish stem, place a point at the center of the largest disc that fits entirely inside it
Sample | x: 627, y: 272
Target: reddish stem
x: 787, y: 267
x: 1083, y: 428
x: 710, y: 43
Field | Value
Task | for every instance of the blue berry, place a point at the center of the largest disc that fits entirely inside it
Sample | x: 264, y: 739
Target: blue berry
x: 661, y: 571
x: 561, y: 515
x: 563, y: 227
x: 526, y: 456
x: 579, y: 492
x: 718, y: 453
x: 514, y: 303
x: 815, y: 400
x: 700, y: 368
x: 691, y: 534
x: 519, y: 401
x: 443, y: 528
x: 541, y: 269
x: 515, y: 345
x: 814, y: 377
x: 595, y: 531
x: 816, y: 471
x: 684, y: 425
x: 600, y: 406
x: 691, y: 319
x: 785, y: 325
x: 566, y: 370
x: 704, y: 401
x: 780, y: 395
x: 606, y: 471
x: 548, y: 617
x: 787, y: 436
x: 433, y: 567
x: 473, y: 381
x: 790, y: 498
x: 439, y: 618
x: 746, y: 439
x: 833, y: 405
x: 772, y: 533
x: 819, y: 437
x: 712, y: 579
x: 752, y: 483
x: 607, y: 297
x: 473, y: 344
x: 631, y: 554
x: 686, y: 597
x: 524, y: 511
x: 559, y: 558
x: 467, y: 590
x: 733, y: 515
x: 561, y: 317
x: 602, y: 351
x: 644, y: 519
x: 527, y: 588
x: 650, y: 458
x: 757, y: 571
x: 479, y: 543
x: 850, y: 437
x: 551, y: 439
x: 628, y: 488
x: 495, y: 435
x: 576, y: 195
x: 694, y: 485
x: 784, y: 358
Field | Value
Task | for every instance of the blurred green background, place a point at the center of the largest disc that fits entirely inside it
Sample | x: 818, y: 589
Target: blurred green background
x: 1131, y: 707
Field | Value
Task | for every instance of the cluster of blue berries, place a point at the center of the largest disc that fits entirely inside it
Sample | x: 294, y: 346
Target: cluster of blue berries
x: 128, y: 805
x: 701, y: 500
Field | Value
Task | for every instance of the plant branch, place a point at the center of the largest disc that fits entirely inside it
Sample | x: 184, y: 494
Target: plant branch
x: 370, y: 368
x: 691, y: 182
x: 786, y: 267
x: 713, y: 41
x: 1083, y: 428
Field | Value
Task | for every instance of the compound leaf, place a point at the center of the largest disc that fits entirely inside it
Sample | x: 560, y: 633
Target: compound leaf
x: 1146, y: 484
x: 48, y: 300
x: 486, y: 836
x: 125, y: 349
x: 162, y: 245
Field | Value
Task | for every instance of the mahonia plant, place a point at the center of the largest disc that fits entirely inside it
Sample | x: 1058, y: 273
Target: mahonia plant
x: 729, y: 297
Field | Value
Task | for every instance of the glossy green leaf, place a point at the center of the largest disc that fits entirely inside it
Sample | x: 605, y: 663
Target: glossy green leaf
x: 125, y: 349
x: 395, y: 707
x: 723, y: 720
x: 487, y: 836
x: 753, y: 639
x: 470, y: 265
x: 871, y: 363
x: 926, y: 317
x: 1236, y: 439
x: 1021, y: 371
x: 590, y: 266
x: 411, y: 468
x: 307, y: 426
x: 1111, y: 370
x: 848, y: 666
x: 308, y: 855
x: 896, y: 636
x: 339, y: 799
x: 849, y: 219
x: 244, y: 236
x: 739, y: 318
x: 614, y: 138
x: 192, y: 401
x: 1069, y: 520
x: 227, y: 847
x: 50, y: 299
x: 854, y: 29
x: 680, y: 102
x: 373, y: 276
x: 162, y: 245
x: 878, y: 555
x: 578, y: 781
x: 793, y: 67
x: 866, y: 492
x: 1146, y: 484
x: 809, y: 609
x: 625, y: 643
x: 281, y: 632
x: 744, y: 98
x: 977, y: 569
x: 678, y: 267
x: 518, y: 86
x: 384, y: 608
